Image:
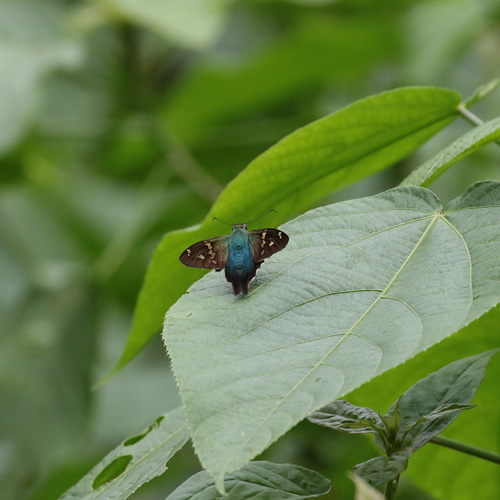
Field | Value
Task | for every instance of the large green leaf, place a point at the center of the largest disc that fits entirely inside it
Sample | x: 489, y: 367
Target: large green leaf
x: 333, y: 152
x: 434, y: 402
x: 362, y: 286
x: 257, y: 480
x: 135, y: 462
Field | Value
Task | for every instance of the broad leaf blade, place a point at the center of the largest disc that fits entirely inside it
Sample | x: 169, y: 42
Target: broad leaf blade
x: 481, y: 200
x: 353, y: 143
x: 382, y: 469
x: 362, y: 286
x: 471, y: 141
x: 346, y: 417
x: 455, y: 383
x: 257, y: 480
x: 135, y: 462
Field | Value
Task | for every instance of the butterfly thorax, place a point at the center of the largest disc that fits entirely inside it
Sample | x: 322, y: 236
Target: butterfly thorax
x: 240, y: 259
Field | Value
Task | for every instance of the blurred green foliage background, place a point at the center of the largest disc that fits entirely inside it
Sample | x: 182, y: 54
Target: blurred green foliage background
x: 123, y: 119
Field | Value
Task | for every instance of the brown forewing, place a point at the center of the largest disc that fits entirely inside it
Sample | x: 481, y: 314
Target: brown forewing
x: 207, y: 254
x: 266, y: 242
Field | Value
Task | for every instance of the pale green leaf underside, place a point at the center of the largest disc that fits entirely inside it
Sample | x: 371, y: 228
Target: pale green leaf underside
x: 263, y: 480
x: 362, y: 286
x: 351, y: 144
x: 471, y: 141
x: 149, y: 454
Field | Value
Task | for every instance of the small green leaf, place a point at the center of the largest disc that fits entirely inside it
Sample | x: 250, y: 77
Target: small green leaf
x: 343, y: 416
x: 429, y: 406
x: 257, y: 480
x: 471, y: 141
x: 481, y: 92
x: 442, y: 410
x: 134, y: 462
x: 351, y: 144
x: 383, y: 469
x: 393, y: 417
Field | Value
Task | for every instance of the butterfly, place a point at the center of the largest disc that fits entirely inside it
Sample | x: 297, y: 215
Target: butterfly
x: 240, y: 254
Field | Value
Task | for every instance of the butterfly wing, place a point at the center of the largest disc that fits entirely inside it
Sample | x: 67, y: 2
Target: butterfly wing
x: 266, y: 242
x: 207, y: 254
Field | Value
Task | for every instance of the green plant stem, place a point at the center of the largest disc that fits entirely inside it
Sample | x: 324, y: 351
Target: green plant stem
x: 467, y: 448
x: 469, y: 115
x: 390, y: 488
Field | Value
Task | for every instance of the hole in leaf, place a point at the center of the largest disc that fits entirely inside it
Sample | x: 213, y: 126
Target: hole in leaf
x: 112, y: 471
x: 135, y: 439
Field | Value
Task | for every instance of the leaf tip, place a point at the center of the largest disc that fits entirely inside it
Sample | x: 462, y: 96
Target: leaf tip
x: 219, y: 484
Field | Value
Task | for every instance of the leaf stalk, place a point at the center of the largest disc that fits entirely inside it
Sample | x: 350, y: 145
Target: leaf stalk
x: 469, y: 115
x: 467, y: 448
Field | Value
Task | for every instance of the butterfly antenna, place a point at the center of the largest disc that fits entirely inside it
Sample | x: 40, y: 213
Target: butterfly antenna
x: 224, y: 222
x: 260, y: 216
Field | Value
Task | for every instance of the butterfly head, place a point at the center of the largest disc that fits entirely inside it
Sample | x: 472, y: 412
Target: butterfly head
x: 240, y: 226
